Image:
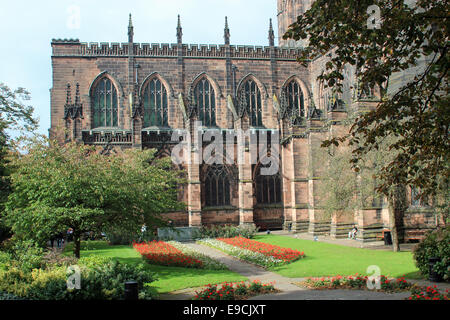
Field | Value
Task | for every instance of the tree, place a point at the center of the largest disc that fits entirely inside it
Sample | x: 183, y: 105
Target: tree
x: 14, y: 115
x: 56, y: 187
x: 344, y: 190
x: 412, y: 38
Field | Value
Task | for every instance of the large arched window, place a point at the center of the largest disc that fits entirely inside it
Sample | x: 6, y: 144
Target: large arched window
x: 251, y: 99
x: 104, y: 104
x: 205, y: 100
x: 155, y: 104
x: 267, y: 188
x: 295, y: 98
x: 217, y: 187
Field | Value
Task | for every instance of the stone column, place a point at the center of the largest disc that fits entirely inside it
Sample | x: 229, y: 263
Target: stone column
x: 245, y: 176
x: 193, y: 169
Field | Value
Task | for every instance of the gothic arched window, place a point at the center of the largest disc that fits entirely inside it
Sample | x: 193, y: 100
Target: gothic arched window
x: 295, y: 98
x: 205, y: 100
x: 252, y: 99
x: 104, y: 104
x: 267, y: 188
x: 155, y: 104
x: 217, y: 187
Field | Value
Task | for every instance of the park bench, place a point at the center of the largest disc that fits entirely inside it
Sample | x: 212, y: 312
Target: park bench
x: 381, y: 237
x: 415, y: 235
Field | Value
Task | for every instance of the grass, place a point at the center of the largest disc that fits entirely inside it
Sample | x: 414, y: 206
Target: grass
x: 169, y: 278
x: 324, y: 259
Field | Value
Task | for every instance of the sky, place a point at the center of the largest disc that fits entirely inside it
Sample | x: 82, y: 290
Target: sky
x: 28, y: 27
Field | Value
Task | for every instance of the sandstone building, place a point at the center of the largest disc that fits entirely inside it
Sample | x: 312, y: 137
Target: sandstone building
x: 134, y: 95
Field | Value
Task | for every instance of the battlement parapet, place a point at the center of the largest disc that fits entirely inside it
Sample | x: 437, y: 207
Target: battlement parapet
x: 73, y: 47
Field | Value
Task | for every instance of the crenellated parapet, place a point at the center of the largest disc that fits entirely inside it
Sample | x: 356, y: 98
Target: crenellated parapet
x: 73, y: 47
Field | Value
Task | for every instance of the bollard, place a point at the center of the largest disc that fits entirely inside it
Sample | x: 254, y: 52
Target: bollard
x: 131, y: 290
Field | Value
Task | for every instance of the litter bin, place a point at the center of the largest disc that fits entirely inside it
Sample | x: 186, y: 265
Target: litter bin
x: 131, y: 290
x: 387, y: 238
x: 432, y: 275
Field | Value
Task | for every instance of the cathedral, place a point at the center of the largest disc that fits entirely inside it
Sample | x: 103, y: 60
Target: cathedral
x: 136, y: 95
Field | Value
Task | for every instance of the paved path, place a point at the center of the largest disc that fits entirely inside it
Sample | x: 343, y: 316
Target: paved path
x: 289, y: 291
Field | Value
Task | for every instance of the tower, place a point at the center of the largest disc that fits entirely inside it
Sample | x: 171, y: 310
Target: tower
x: 288, y: 11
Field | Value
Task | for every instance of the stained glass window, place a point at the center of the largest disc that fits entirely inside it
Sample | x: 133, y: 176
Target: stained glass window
x: 253, y: 101
x: 104, y: 104
x: 267, y: 188
x: 155, y: 104
x: 216, y: 186
x: 295, y: 98
x: 205, y: 101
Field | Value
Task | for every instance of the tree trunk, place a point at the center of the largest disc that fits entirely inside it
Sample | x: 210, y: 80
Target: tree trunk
x: 393, y: 225
x: 76, y: 243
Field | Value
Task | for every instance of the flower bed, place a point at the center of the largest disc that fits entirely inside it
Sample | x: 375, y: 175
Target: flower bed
x: 243, y: 254
x: 234, y: 291
x: 356, y: 282
x: 428, y: 293
x: 284, y: 254
x: 175, y: 254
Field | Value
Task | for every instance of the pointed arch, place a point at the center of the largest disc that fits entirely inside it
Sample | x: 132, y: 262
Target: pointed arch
x: 111, y: 77
x: 218, y: 183
x: 158, y: 75
x: 267, y: 189
x: 261, y: 86
x: 104, y: 93
x: 296, y: 94
x: 302, y: 84
x: 154, y: 92
x: 205, y: 92
x: 251, y: 99
x: 213, y: 82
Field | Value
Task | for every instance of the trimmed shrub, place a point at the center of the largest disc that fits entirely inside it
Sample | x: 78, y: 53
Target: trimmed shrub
x: 435, y: 244
x: 226, y: 231
x: 127, y: 237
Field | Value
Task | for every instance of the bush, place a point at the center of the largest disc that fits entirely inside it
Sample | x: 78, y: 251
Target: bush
x: 435, y: 244
x: 26, y: 254
x: 5, y: 259
x: 127, y: 237
x: 101, y: 279
x: 226, y: 231
x: 8, y: 296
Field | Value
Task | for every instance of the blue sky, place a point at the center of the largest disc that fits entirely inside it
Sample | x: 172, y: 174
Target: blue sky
x: 28, y: 27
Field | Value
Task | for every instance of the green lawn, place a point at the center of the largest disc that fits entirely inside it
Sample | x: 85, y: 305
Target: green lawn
x: 324, y: 259
x: 169, y: 278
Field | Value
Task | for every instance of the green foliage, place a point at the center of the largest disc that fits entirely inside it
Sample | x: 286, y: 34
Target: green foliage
x: 101, y: 279
x: 56, y: 187
x: 231, y: 291
x: 343, y: 189
x: 14, y: 115
x: 5, y: 258
x: 225, y: 231
x: 26, y: 255
x: 413, y: 40
x: 435, y: 244
x: 126, y: 237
